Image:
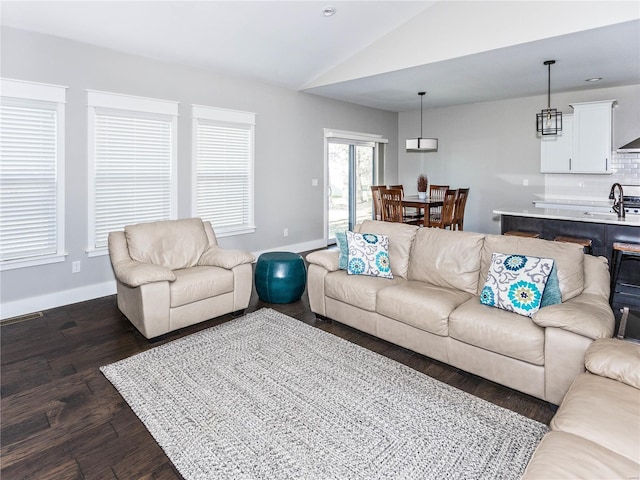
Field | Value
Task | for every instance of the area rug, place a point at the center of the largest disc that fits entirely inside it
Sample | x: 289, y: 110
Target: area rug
x: 267, y: 396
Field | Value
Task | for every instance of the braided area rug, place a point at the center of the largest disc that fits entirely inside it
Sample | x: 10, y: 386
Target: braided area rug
x: 266, y: 396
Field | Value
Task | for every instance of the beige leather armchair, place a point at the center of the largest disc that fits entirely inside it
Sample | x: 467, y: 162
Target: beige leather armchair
x: 172, y: 274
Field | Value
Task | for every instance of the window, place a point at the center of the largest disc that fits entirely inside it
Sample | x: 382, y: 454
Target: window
x: 223, y: 154
x: 132, y: 163
x: 31, y: 174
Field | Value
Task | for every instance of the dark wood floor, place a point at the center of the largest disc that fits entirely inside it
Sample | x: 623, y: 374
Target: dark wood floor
x: 61, y: 419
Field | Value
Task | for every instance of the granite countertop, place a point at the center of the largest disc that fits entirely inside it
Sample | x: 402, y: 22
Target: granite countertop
x: 572, y: 215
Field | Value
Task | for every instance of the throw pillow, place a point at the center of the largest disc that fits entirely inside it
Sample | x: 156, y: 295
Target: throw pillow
x: 341, y: 240
x: 516, y: 282
x: 368, y: 255
x: 551, y: 294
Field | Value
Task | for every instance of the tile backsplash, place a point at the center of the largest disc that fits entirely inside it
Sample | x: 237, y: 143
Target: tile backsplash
x: 625, y: 170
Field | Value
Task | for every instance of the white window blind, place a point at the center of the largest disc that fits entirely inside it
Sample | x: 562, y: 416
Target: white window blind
x: 133, y: 161
x: 31, y: 174
x: 223, y: 151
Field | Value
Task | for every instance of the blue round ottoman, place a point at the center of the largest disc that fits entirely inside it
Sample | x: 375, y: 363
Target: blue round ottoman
x: 280, y: 277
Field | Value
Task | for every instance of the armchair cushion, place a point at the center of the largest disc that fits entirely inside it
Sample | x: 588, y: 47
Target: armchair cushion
x: 174, y: 244
x: 219, y: 257
x: 615, y: 359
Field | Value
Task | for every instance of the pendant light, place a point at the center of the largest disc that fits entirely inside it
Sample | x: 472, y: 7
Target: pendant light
x: 422, y: 144
x: 549, y: 120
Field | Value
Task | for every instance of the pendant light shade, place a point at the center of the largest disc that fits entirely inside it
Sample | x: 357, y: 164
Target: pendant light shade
x: 422, y: 144
x: 549, y: 120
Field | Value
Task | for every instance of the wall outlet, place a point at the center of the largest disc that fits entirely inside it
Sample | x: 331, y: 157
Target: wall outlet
x: 286, y: 232
x: 314, y: 182
x: 525, y: 182
x: 75, y: 267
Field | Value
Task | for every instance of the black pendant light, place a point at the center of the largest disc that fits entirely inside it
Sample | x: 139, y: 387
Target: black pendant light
x: 422, y: 144
x: 549, y: 120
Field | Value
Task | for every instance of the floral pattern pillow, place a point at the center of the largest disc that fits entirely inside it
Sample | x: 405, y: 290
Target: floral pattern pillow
x: 368, y: 255
x: 516, y: 283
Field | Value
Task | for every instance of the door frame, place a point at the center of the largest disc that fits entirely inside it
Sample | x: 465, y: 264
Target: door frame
x: 350, y: 137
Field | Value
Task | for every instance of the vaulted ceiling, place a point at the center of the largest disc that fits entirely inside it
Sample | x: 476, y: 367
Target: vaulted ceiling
x: 374, y: 53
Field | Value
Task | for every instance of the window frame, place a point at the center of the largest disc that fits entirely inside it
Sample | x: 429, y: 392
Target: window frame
x: 225, y: 117
x: 41, y: 95
x: 127, y: 106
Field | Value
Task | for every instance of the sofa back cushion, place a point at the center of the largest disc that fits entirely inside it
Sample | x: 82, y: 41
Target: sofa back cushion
x: 401, y: 238
x: 568, y: 257
x: 446, y: 258
x: 174, y: 244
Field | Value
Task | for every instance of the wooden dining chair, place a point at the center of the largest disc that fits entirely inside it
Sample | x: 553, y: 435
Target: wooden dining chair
x: 392, y: 205
x: 458, y: 211
x: 436, y: 192
x: 448, y: 209
x: 377, y: 200
x: 409, y: 214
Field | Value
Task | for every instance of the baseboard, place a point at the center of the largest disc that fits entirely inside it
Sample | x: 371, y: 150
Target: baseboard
x: 89, y: 292
x: 56, y: 299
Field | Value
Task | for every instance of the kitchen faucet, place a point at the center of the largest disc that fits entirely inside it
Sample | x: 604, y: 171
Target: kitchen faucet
x: 618, y: 206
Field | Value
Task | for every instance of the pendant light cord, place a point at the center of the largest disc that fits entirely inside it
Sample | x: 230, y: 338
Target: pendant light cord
x: 421, y: 97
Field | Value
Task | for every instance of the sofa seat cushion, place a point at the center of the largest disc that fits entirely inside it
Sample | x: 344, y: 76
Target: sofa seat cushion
x: 561, y: 455
x: 420, y: 305
x: 357, y: 290
x: 498, y: 331
x: 604, y: 411
x: 198, y: 283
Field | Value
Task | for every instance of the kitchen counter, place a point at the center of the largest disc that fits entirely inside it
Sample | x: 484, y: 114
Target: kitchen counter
x: 572, y: 215
x: 603, y: 229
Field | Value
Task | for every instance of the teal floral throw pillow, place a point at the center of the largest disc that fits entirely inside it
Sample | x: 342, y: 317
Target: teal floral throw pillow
x: 368, y: 255
x: 341, y: 240
x: 516, y: 283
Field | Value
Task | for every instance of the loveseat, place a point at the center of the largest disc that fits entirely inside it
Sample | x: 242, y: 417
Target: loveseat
x: 431, y: 305
x: 172, y: 274
x: 596, y: 432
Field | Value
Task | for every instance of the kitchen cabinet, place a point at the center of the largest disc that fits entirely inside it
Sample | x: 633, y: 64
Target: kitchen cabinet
x: 584, y: 145
x: 555, y: 150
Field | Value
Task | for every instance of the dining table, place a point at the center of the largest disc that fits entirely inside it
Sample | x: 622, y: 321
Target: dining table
x: 426, y: 204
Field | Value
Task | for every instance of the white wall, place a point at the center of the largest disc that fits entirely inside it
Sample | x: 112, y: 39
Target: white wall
x: 289, y: 153
x: 492, y: 147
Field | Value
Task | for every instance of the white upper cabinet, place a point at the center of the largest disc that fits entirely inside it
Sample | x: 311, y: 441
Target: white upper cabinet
x: 584, y: 146
x: 555, y: 150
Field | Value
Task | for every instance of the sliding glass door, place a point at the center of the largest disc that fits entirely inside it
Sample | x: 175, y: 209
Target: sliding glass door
x: 351, y: 172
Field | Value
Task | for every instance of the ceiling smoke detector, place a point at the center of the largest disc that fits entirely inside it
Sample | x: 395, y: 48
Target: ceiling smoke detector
x: 328, y: 11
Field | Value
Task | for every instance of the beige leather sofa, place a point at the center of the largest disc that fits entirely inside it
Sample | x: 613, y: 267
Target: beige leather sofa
x: 596, y: 432
x: 171, y: 274
x: 432, y: 307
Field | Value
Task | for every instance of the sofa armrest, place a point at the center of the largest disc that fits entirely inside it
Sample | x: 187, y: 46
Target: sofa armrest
x: 327, y: 259
x: 615, y: 359
x: 215, y: 256
x: 587, y: 314
x: 134, y: 274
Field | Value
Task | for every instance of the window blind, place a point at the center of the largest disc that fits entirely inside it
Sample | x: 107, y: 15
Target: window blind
x: 133, y: 171
x: 28, y: 180
x: 224, y: 175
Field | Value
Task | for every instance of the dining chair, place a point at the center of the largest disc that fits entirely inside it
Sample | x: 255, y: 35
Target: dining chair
x: 410, y: 214
x: 458, y: 211
x: 436, y: 192
x: 448, y: 209
x: 391, y: 205
x: 377, y: 200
